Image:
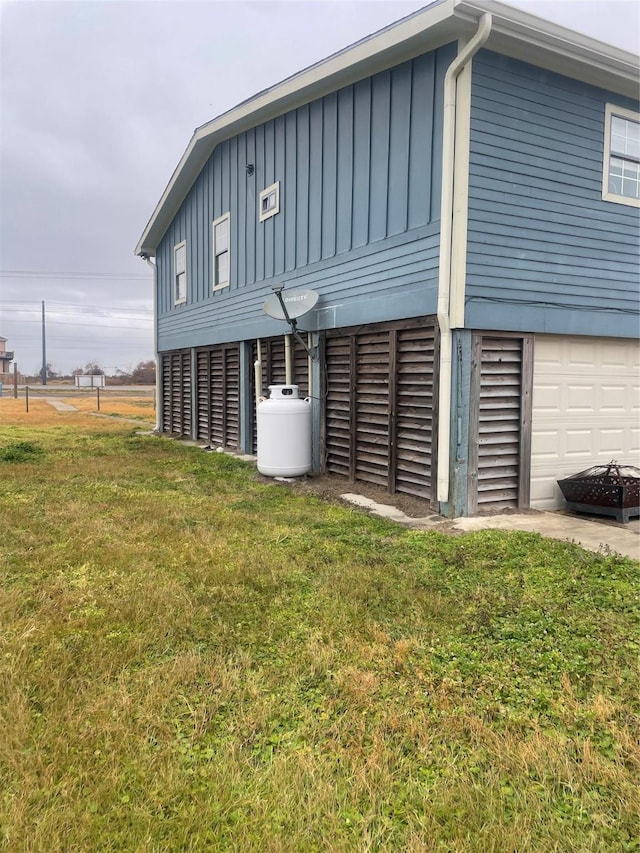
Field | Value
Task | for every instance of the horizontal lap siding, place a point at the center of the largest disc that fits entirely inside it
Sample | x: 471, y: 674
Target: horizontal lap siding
x: 357, y: 167
x: 390, y: 279
x: 541, y: 240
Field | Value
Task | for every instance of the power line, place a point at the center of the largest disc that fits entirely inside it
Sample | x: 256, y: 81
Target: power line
x: 65, y: 304
x: 62, y: 308
x: 75, y: 275
x: 54, y: 321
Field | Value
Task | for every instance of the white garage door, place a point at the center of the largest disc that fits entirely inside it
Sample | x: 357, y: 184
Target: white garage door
x: 586, y: 410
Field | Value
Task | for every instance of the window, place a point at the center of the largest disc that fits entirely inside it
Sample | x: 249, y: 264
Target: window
x: 269, y: 203
x: 180, y: 273
x: 220, y: 229
x: 621, y: 173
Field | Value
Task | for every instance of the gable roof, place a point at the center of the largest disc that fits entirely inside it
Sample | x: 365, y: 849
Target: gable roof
x: 514, y: 33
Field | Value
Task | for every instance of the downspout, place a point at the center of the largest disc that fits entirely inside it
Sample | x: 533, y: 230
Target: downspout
x: 155, y: 339
x: 446, y: 239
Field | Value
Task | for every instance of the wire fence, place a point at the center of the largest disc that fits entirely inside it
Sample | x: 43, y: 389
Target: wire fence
x: 138, y: 401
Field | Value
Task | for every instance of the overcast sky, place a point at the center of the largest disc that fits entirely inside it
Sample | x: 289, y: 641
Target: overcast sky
x: 98, y: 101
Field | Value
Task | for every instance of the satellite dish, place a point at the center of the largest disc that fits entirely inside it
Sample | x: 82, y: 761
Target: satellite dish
x: 297, y: 303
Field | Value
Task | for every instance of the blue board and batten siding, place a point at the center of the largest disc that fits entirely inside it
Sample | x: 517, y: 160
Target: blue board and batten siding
x: 359, y: 173
x: 545, y: 252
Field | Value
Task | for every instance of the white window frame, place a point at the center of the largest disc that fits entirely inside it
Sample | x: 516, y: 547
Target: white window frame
x: 176, y: 273
x: 274, y: 190
x: 219, y: 285
x: 620, y: 112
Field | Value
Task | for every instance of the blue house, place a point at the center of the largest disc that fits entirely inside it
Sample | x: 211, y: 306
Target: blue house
x: 462, y: 190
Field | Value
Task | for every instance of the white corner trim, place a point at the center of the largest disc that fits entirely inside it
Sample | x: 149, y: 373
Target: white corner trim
x: 460, y: 198
x: 611, y: 110
x: 465, y: 53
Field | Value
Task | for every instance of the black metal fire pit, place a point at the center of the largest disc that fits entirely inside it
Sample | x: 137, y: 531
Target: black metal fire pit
x: 604, y: 490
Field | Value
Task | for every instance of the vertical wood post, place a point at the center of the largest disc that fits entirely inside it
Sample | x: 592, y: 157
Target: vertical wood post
x: 392, y: 452
x: 353, y: 406
x: 526, y: 411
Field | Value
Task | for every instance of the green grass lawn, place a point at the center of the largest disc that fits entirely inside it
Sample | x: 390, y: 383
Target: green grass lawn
x: 191, y: 660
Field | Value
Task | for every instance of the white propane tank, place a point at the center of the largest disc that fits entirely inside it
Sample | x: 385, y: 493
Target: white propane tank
x: 284, y: 433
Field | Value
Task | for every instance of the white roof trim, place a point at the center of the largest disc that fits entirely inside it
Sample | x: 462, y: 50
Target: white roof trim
x: 514, y: 33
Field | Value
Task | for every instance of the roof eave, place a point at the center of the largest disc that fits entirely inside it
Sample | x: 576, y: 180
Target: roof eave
x: 423, y: 31
x: 514, y: 33
x: 531, y: 39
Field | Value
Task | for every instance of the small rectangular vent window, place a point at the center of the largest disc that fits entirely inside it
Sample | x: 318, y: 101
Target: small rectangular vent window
x: 269, y: 203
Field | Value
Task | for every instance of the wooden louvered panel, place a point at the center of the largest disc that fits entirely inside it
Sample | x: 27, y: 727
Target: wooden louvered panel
x: 218, y: 387
x: 379, y: 417
x: 414, y: 425
x: 217, y: 381
x: 300, y: 363
x: 274, y: 369
x: 338, y: 406
x: 176, y: 396
x: 166, y: 393
x: 372, y: 408
x: 186, y: 394
x: 499, y: 423
x: 231, y: 397
x: 176, y: 393
x: 203, y: 394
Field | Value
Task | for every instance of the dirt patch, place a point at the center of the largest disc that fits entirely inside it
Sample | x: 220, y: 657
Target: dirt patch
x: 330, y: 487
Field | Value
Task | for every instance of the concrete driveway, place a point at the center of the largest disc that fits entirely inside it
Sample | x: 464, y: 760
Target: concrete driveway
x: 591, y: 532
x: 594, y: 533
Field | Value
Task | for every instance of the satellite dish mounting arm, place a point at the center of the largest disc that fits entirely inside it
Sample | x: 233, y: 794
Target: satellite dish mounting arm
x: 293, y: 323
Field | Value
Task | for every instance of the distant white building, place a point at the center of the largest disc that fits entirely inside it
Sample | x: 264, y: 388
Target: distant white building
x: 5, y: 360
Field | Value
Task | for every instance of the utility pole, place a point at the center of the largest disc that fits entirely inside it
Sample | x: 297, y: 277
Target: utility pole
x: 44, y: 349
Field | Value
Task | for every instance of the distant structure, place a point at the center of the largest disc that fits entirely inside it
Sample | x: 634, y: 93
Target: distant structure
x: 94, y: 378
x: 6, y: 358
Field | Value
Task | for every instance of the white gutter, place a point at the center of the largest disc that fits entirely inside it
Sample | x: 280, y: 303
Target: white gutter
x: 446, y: 240
x: 155, y: 341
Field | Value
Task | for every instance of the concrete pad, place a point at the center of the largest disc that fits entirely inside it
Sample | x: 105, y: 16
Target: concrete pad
x: 58, y: 404
x: 591, y: 534
x: 393, y: 514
